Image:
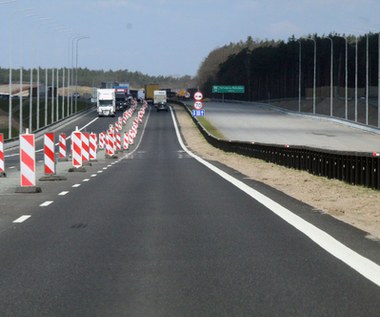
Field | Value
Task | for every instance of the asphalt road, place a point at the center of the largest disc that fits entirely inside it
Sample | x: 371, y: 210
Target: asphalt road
x: 256, y: 122
x: 157, y: 233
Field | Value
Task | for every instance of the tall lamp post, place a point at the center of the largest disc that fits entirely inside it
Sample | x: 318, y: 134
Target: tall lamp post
x: 331, y: 76
x: 76, y: 70
x: 367, y: 79
x: 315, y: 72
x: 356, y: 79
x: 74, y: 38
x: 299, y: 74
x: 10, y: 91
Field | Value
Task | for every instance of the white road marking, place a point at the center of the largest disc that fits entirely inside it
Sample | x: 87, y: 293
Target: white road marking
x: 21, y: 219
x: 94, y: 175
x: 105, y: 168
x: 359, y: 263
x: 63, y: 193
x: 75, y: 185
x: 46, y: 203
x: 99, y: 172
x: 86, y: 180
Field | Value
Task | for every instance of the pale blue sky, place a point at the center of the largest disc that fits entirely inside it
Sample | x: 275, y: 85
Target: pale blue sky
x: 163, y: 37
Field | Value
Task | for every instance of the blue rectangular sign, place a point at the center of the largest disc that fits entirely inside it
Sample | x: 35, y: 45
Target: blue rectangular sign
x: 198, y: 113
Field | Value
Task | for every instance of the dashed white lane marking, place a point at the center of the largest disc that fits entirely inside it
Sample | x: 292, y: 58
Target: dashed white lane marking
x: 105, y: 168
x: 10, y: 167
x: 46, y: 203
x: 99, y: 172
x: 75, y: 185
x: 94, y: 175
x: 63, y: 193
x: 86, y: 180
x: 21, y: 219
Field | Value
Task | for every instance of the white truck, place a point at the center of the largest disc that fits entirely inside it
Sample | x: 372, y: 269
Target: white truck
x: 160, y: 100
x: 106, y: 102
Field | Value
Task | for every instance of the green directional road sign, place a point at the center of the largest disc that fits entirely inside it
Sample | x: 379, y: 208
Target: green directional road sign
x: 228, y: 89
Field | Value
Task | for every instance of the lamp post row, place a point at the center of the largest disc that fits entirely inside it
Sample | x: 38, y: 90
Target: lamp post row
x: 10, y: 88
x: 345, y: 80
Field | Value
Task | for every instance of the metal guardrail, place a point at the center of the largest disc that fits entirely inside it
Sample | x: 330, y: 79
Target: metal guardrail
x: 356, y: 168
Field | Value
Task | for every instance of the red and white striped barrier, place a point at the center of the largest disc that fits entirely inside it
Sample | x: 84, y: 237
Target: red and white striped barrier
x: 110, y: 147
x: 126, y: 141
x: 2, y: 165
x: 49, y: 155
x: 27, y: 160
x: 62, y: 146
x: 76, y: 145
x: 92, y: 147
x: 102, y: 140
x: 132, y: 135
x: 85, y: 147
x: 118, y: 142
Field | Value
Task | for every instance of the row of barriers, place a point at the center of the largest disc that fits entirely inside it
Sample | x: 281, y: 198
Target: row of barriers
x: 84, y: 148
x: 356, y: 168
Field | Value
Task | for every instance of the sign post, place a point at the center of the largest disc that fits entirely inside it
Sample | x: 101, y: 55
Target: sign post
x: 198, y: 105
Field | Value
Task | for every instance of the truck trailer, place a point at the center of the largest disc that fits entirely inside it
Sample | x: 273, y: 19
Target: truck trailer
x: 106, y: 102
x: 160, y: 100
x: 149, y: 92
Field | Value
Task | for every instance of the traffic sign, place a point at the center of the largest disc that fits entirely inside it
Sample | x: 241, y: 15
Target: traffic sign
x: 198, y: 113
x: 198, y: 96
x: 228, y: 89
x: 198, y: 105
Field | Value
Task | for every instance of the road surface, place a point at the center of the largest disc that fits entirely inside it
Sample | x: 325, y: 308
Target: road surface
x: 158, y: 233
x: 256, y: 122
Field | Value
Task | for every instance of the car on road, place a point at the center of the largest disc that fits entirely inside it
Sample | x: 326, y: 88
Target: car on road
x: 162, y: 106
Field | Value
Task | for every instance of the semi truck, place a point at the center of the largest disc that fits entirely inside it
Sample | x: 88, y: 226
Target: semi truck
x: 149, y: 92
x: 160, y: 100
x: 106, y: 102
x: 121, y: 95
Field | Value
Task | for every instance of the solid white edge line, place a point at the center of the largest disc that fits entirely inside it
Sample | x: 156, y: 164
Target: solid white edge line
x: 21, y: 219
x: 359, y: 263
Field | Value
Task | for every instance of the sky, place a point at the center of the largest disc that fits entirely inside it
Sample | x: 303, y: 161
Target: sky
x: 162, y: 37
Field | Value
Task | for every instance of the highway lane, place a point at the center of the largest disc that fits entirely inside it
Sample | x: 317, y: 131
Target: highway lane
x: 159, y: 234
x: 257, y: 122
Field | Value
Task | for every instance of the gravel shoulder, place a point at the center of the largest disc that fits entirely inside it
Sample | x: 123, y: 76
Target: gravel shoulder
x: 356, y: 205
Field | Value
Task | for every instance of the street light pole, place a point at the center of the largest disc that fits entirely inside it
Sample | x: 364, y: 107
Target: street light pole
x: 315, y: 72
x: 378, y: 82
x: 346, y: 81
x: 366, y: 81
x: 76, y: 71
x: 299, y: 74
x: 9, y: 89
x: 331, y: 76
x: 356, y: 79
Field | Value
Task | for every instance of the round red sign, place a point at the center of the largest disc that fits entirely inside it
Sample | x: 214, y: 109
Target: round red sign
x: 198, y: 96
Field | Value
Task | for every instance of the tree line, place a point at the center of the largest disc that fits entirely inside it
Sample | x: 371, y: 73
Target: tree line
x: 94, y: 78
x: 271, y: 69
